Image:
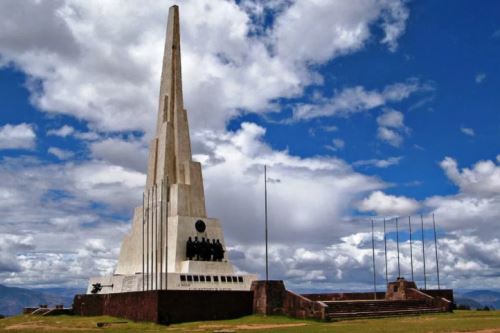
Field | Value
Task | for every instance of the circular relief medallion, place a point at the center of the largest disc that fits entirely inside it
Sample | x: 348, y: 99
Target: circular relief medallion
x: 200, y: 226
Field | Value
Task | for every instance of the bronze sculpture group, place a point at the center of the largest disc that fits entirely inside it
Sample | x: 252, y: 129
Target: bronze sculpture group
x: 204, y: 250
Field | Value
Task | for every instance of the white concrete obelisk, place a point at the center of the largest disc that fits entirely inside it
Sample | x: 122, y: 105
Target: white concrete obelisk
x: 153, y: 254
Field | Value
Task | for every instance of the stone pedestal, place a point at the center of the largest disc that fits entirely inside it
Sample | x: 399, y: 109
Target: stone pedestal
x: 268, y: 297
x: 400, y: 289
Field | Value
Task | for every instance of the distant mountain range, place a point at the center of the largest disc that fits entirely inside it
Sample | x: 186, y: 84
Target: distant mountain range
x: 13, y: 300
x: 479, y: 299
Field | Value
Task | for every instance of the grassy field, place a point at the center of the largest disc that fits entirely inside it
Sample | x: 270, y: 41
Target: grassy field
x: 460, y: 321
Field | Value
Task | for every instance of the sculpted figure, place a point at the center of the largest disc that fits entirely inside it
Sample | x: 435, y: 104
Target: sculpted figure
x: 196, y: 248
x: 190, y: 253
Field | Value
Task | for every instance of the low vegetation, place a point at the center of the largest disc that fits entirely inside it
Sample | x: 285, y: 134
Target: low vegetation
x: 460, y: 321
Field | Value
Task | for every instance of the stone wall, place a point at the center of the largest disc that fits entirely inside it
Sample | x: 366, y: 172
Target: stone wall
x: 344, y: 296
x: 167, y: 306
x: 272, y: 298
x: 136, y: 306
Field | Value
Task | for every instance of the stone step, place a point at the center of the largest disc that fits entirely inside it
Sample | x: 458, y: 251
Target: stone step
x: 40, y: 311
x: 383, y: 313
x: 374, y: 306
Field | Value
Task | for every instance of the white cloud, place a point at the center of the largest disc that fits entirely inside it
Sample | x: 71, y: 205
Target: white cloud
x: 394, y: 23
x: 127, y: 153
x: 391, y: 118
x: 379, y: 163
x: 475, y: 206
x: 106, y: 72
x: 48, y: 214
x: 467, y: 131
x: 387, y: 205
x: 337, y: 144
x: 480, y: 77
x: 334, y: 27
x: 20, y: 136
x: 482, y: 180
x: 391, y: 127
x: 358, y: 99
x: 87, y: 136
x: 61, y: 154
x: 390, y: 136
x: 237, y: 159
x: 63, y: 131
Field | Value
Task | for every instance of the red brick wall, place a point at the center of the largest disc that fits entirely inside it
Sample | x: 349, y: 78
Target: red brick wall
x: 167, y: 306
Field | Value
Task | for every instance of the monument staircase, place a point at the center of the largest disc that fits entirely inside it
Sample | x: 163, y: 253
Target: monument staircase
x: 401, y: 298
x: 377, y: 308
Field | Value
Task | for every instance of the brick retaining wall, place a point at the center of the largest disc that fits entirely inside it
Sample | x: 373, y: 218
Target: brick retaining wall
x: 167, y: 306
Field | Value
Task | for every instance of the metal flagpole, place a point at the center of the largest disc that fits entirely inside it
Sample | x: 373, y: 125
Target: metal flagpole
x: 436, y: 247
x: 423, y: 250
x: 156, y: 237
x: 161, y: 235
x: 373, y: 257
x: 397, y: 245
x: 152, y: 237
x: 167, y: 194
x: 147, y: 242
x: 411, y: 249
x: 143, y: 241
x: 385, y: 254
x: 265, y: 218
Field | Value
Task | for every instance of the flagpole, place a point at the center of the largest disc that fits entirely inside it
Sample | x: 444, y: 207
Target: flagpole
x: 265, y: 218
x: 374, y: 274
x: 411, y: 249
x: 436, y: 247
x: 385, y: 254
x: 397, y: 245
x: 423, y: 250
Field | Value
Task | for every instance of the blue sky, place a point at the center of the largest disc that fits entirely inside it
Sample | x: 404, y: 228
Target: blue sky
x: 363, y: 109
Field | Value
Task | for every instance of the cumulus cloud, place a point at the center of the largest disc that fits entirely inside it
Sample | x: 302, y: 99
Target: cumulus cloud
x: 115, y: 88
x: 20, y: 136
x: 60, y: 153
x: 126, y: 153
x: 474, y: 207
x: 358, y: 99
x: 391, y: 127
x: 483, y: 179
x: 387, y: 205
x: 236, y: 160
x: 50, y: 211
x: 464, y: 260
x: 63, y: 131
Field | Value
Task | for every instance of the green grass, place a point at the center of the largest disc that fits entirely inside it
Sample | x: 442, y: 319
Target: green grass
x: 460, y: 321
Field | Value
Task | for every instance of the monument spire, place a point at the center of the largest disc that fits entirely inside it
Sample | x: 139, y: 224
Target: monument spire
x: 170, y: 150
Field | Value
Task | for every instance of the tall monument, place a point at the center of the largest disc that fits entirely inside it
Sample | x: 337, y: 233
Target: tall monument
x: 172, y: 244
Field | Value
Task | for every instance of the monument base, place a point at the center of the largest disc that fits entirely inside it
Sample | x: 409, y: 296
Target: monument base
x: 266, y: 298
x: 167, y: 306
